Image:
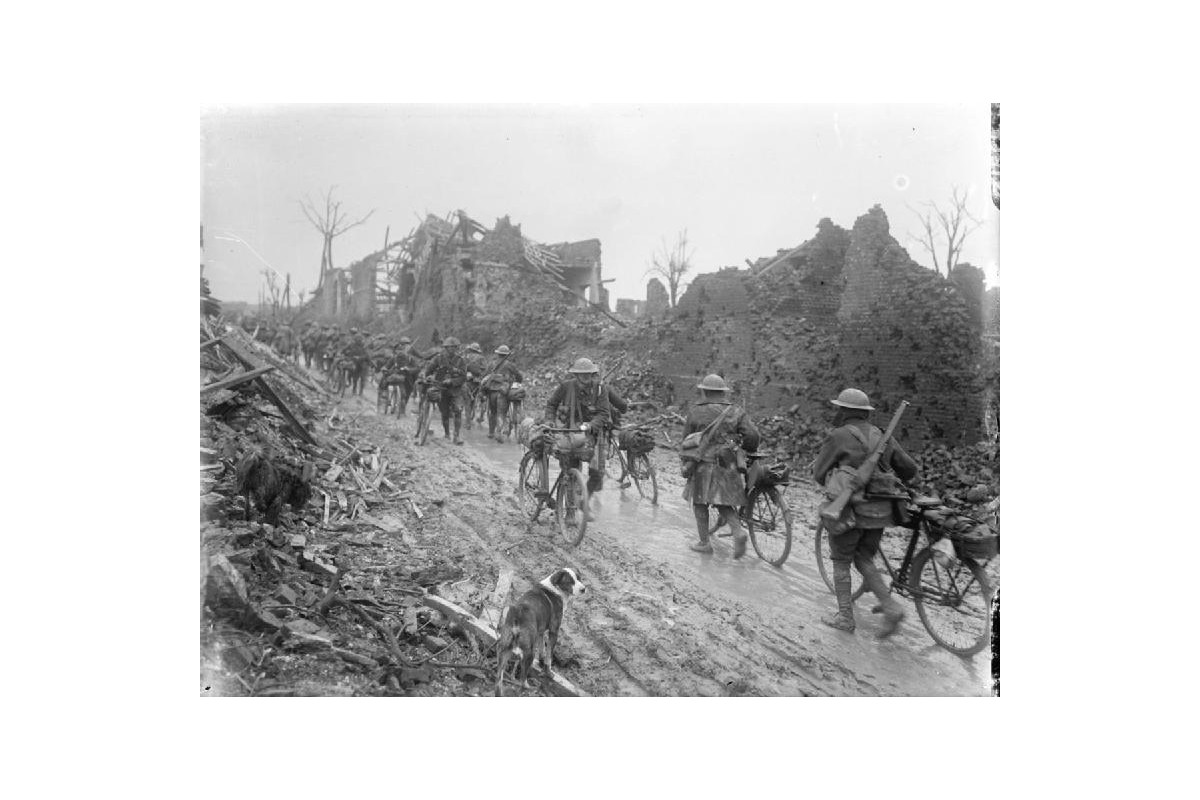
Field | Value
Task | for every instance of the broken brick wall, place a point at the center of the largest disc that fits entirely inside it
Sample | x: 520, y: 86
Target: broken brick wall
x: 847, y: 308
x: 907, y: 333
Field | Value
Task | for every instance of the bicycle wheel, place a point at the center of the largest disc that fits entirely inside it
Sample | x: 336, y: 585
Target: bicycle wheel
x: 423, y: 422
x: 532, y: 474
x: 825, y: 565
x: 770, y: 524
x: 954, y: 603
x: 645, y: 478
x: 571, y: 506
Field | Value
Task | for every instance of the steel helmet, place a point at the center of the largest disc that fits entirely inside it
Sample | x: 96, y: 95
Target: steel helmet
x: 713, y: 383
x: 502, y: 350
x: 450, y: 341
x: 583, y: 365
x: 854, y: 398
x: 404, y: 340
x: 474, y: 347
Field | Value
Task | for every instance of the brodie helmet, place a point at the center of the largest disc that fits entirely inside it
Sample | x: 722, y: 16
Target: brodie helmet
x: 502, y: 350
x: 713, y: 383
x: 450, y: 341
x: 583, y: 366
x: 854, y: 398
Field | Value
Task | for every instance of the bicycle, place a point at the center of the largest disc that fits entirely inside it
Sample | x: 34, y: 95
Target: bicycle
x: 953, y: 594
x: 569, y: 492
x: 766, y: 514
x: 429, y: 394
x: 634, y: 465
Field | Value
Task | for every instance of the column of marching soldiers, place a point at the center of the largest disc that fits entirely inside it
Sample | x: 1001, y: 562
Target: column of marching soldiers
x: 465, y: 383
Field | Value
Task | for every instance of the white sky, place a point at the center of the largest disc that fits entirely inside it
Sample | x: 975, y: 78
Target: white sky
x: 743, y: 180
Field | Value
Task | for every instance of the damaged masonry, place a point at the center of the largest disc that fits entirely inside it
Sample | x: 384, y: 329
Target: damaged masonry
x: 390, y: 576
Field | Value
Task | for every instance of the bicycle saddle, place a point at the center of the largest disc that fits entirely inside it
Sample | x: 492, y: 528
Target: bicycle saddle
x: 927, y: 500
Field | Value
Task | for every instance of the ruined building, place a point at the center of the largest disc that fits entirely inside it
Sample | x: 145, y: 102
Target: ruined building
x: 453, y: 274
x: 846, y: 308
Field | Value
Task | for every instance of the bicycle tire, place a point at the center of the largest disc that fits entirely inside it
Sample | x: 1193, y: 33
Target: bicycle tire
x: 423, y: 422
x: 771, y: 537
x: 825, y: 565
x: 570, y: 506
x: 962, y: 623
x: 635, y: 467
x: 529, y: 483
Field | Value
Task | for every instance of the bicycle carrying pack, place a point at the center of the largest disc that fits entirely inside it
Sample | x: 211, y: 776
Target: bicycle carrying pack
x: 575, y: 446
x: 516, y: 392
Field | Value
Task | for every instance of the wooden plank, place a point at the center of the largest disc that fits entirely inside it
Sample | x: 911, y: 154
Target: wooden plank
x: 236, y: 380
x: 210, y: 342
x: 252, y: 362
x: 558, y: 684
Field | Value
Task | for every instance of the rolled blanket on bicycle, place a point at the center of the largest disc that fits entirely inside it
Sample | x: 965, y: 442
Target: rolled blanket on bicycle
x: 636, y: 440
x: 972, y: 538
x: 762, y: 474
x: 577, y: 446
x: 433, y: 393
x: 516, y: 392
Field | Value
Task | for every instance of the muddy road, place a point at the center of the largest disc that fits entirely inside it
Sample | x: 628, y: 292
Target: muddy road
x: 660, y: 619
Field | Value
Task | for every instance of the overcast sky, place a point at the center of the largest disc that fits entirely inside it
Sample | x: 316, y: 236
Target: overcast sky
x: 744, y: 181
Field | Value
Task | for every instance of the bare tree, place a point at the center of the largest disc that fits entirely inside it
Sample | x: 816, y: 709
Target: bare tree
x: 672, y: 264
x: 953, y: 224
x: 332, y: 222
x: 273, y: 290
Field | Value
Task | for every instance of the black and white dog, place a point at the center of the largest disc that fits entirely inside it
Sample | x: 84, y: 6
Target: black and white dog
x: 531, y: 625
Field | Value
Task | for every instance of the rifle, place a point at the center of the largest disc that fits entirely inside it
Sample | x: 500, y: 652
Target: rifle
x: 832, y: 511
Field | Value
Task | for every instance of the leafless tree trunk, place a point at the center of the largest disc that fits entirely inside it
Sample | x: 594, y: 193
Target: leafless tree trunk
x: 952, y: 224
x: 273, y: 290
x: 331, y: 222
x: 673, y: 264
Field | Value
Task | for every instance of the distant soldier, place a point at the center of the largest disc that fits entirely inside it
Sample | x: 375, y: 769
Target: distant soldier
x: 402, y: 367
x: 579, y: 401
x: 715, y: 480
x: 848, y: 446
x: 449, y: 370
x: 356, y: 350
x: 496, y: 386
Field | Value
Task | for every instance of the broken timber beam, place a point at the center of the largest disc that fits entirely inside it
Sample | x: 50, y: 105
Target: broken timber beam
x: 210, y: 342
x: 559, y: 684
x: 236, y: 380
x: 252, y: 363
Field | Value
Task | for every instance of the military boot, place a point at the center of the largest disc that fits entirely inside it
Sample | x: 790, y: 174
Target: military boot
x: 843, y: 620
x: 892, y: 612
x: 705, y: 543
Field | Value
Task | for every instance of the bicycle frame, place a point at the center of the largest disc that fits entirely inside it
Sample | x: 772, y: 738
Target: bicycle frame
x: 900, y: 577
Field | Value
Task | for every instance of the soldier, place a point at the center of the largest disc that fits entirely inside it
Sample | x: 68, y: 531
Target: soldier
x: 475, y: 370
x: 848, y: 445
x: 583, y: 403
x: 401, y: 367
x: 716, y: 480
x: 450, y: 370
x: 496, y: 385
x: 356, y: 350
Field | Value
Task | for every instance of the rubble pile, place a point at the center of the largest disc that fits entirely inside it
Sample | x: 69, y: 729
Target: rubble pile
x: 340, y: 595
x: 966, y: 476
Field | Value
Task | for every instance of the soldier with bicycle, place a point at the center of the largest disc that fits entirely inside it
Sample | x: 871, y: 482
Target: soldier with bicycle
x: 846, y: 448
x: 712, y: 467
x: 448, y: 369
x: 581, y: 400
x: 495, y: 386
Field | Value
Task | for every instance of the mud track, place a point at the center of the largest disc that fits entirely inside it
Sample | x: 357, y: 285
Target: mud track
x: 659, y: 619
